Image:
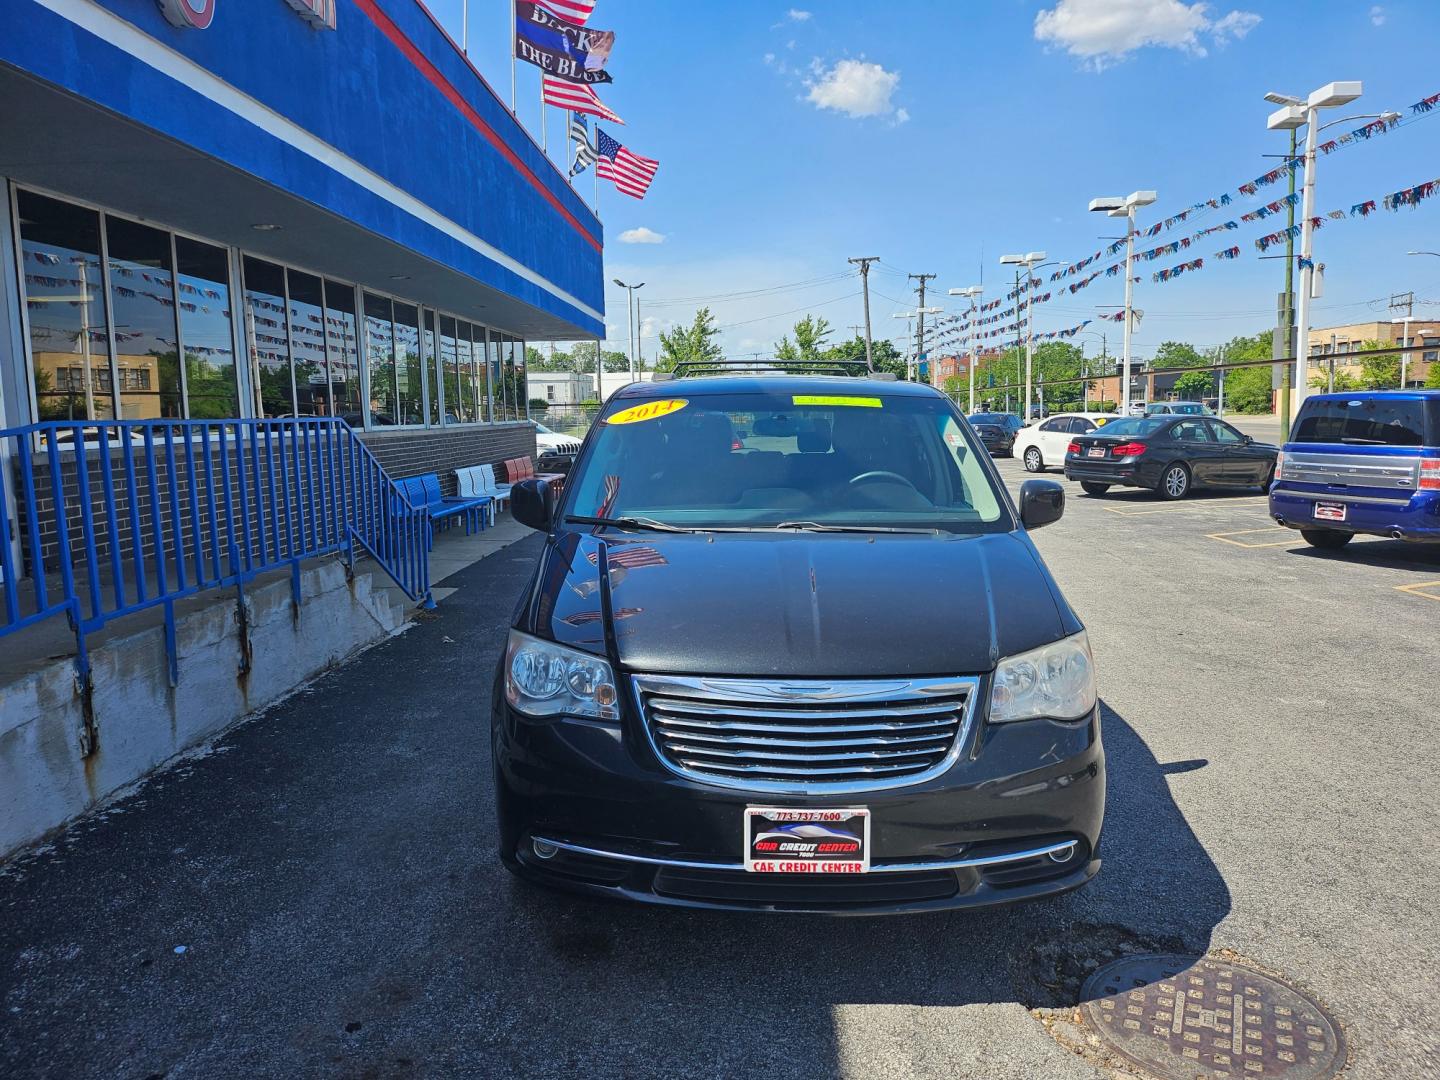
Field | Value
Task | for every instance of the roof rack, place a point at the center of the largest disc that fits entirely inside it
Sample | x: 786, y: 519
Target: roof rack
x: 695, y: 368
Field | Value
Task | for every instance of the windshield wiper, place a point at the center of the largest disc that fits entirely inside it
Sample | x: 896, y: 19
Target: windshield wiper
x: 630, y: 523
x: 1356, y: 441
x: 816, y: 526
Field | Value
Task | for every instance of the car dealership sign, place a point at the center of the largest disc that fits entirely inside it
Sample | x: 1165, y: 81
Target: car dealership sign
x: 198, y: 14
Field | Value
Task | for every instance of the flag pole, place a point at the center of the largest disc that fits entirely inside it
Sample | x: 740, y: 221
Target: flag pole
x: 510, y: 4
x: 544, y: 135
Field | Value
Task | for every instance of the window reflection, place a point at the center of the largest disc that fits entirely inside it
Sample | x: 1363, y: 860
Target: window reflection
x: 205, y: 330
x: 409, y: 376
x: 380, y: 356
x: 342, y: 336
x: 267, y: 337
x: 65, y: 303
x: 142, y: 308
x: 432, y: 356
x: 307, y: 341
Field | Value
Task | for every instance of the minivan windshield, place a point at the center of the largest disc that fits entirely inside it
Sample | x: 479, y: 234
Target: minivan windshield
x: 1369, y: 421
x: 837, y: 460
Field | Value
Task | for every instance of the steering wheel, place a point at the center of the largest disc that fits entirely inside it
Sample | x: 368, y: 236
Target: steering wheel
x: 883, y: 476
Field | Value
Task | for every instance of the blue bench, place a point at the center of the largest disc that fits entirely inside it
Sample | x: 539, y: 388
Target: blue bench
x: 424, y: 490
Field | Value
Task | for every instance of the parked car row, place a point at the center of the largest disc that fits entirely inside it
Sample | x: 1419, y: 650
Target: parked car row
x: 1358, y: 462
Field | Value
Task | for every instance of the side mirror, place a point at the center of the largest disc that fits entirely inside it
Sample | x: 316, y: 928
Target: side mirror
x: 533, y: 503
x: 1248, y: 439
x: 1041, y: 502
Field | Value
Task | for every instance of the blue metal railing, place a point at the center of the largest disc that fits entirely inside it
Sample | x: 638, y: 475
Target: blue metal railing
x: 104, y: 519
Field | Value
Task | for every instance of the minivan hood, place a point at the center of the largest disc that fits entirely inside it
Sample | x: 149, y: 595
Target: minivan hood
x: 800, y: 604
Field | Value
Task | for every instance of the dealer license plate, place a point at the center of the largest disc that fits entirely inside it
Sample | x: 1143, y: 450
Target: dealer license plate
x: 1096, y: 451
x: 785, y: 841
x: 1330, y: 511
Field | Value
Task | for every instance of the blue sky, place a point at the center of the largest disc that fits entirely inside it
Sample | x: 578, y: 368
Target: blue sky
x: 940, y: 135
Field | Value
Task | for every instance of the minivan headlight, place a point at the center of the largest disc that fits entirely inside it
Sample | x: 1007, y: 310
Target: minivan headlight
x: 1055, y: 681
x: 545, y: 679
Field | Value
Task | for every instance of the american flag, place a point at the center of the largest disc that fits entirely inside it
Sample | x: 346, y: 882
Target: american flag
x: 577, y: 97
x: 580, y: 136
x: 631, y: 557
x: 631, y: 172
x: 576, y: 11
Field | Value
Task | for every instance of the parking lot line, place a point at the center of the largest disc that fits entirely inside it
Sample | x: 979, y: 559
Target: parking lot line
x: 1418, y: 589
x: 1225, y: 537
x: 1205, y: 507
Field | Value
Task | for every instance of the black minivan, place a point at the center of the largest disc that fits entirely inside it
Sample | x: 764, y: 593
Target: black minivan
x: 788, y: 647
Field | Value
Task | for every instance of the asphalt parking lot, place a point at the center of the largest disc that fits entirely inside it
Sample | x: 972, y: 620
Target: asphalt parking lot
x: 318, y: 895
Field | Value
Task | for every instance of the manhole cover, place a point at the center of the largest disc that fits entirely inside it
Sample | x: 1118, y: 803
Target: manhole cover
x: 1181, y: 1018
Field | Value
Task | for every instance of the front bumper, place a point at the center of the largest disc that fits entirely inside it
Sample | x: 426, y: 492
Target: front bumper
x: 1018, y: 817
x: 1378, y: 514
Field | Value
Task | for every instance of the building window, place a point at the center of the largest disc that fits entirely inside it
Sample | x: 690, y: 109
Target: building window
x: 380, y: 358
x: 409, y: 368
x: 142, y: 305
x: 432, y: 357
x: 65, y: 304
x: 206, y: 334
x: 342, y: 341
x: 549, y: 391
x: 313, y: 396
x: 268, y: 337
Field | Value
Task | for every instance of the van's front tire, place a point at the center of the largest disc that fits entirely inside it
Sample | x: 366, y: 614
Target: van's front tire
x: 1327, y: 539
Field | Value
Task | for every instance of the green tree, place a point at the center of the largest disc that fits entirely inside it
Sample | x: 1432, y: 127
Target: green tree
x: 1173, y: 354
x: 885, y: 357
x: 1432, y: 380
x: 691, y: 344
x: 811, y: 333
x: 1380, y: 371
x: 1344, y: 380
x: 1194, y: 385
x: 1247, y: 390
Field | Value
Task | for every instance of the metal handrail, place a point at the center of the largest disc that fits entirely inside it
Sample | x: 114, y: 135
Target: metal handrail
x: 102, y: 519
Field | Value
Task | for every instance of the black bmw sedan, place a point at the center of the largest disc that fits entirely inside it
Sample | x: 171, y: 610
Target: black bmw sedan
x: 788, y: 647
x: 1170, y: 455
x: 997, y: 431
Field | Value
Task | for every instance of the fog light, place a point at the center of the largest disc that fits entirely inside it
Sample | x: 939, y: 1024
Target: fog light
x: 543, y: 849
x: 1063, y: 856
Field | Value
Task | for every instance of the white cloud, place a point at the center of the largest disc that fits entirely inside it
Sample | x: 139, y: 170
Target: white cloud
x: 1102, y: 32
x: 796, y: 15
x: 642, y: 235
x: 854, y: 87
x: 901, y: 116
x: 1377, y: 15
x: 1234, y: 26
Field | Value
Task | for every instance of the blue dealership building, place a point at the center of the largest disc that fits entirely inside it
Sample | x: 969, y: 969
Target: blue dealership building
x: 277, y: 208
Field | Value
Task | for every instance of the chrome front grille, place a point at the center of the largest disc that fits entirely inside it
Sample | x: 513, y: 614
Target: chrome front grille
x: 806, y: 736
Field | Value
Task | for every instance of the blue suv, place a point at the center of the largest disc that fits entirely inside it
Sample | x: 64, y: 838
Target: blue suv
x: 1362, y: 462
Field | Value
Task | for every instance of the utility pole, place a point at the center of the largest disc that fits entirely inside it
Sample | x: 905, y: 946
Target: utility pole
x: 864, y: 264
x: 920, y: 333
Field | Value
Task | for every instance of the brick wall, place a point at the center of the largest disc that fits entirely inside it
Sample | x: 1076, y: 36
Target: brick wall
x: 404, y: 452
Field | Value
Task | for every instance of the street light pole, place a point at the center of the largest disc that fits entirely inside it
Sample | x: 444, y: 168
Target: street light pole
x: 1126, y: 207
x: 972, y: 293
x: 1291, y: 115
x: 1029, y: 261
x: 631, y: 312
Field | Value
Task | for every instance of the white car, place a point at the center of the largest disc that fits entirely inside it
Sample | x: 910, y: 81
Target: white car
x: 551, y: 442
x: 1044, y: 444
x: 1138, y: 408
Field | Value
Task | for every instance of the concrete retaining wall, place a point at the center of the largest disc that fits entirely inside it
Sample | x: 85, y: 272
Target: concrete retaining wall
x: 141, y: 721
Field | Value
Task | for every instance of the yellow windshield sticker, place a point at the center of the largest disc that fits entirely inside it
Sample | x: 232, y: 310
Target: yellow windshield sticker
x: 1101, y: 421
x: 824, y: 399
x: 649, y: 411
